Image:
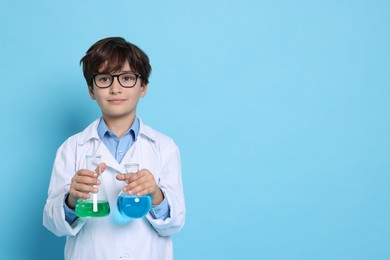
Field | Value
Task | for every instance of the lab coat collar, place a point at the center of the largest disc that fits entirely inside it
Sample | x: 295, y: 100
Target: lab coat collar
x: 146, y: 131
x: 91, y: 132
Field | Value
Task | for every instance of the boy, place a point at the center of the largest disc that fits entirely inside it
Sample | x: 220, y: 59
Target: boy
x: 117, y: 74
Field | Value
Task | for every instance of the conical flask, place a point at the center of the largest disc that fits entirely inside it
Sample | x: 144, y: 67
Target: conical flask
x: 133, y: 206
x: 97, y: 205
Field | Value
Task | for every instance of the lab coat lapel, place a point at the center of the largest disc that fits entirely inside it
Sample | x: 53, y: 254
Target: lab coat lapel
x: 132, y: 155
x: 108, y: 159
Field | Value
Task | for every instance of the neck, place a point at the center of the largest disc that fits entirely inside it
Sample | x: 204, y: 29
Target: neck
x: 119, y: 126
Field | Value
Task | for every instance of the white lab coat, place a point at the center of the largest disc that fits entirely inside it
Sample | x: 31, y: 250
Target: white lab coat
x: 112, y: 237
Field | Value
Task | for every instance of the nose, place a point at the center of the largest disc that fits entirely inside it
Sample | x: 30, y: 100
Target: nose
x: 115, y: 87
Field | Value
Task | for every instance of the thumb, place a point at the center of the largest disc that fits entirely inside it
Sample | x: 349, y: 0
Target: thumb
x: 101, y: 168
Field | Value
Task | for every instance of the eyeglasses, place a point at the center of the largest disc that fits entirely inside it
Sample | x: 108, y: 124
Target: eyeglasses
x: 126, y: 79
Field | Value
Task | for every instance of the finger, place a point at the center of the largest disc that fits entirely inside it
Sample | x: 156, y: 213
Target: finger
x: 86, y: 188
x: 133, y: 181
x: 141, y: 186
x: 80, y: 195
x: 121, y: 177
x: 128, y: 177
x: 86, y: 180
x: 85, y: 172
x: 136, y: 176
x: 144, y: 190
x: 100, y: 169
x: 82, y: 191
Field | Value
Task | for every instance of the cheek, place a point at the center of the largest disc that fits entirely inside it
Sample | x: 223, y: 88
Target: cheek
x: 98, y: 99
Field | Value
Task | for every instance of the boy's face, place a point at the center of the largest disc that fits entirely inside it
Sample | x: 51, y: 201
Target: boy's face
x: 117, y: 102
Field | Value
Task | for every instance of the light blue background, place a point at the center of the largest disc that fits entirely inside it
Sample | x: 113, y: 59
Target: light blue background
x: 280, y: 108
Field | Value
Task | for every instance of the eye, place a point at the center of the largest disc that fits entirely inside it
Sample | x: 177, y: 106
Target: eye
x: 103, y: 78
x: 128, y: 77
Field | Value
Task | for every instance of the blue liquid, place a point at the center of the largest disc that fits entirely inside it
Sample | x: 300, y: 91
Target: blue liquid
x: 134, y: 207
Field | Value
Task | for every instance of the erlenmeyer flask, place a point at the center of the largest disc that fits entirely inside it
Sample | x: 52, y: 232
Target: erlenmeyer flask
x: 97, y: 205
x: 133, y: 206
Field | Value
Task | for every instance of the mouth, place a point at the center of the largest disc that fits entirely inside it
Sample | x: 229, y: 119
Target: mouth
x: 116, y: 100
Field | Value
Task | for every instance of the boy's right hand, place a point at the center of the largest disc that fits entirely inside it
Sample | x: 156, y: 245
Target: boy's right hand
x: 82, y: 184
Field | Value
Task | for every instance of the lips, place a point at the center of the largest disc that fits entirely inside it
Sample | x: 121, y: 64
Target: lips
x: 116, y: 100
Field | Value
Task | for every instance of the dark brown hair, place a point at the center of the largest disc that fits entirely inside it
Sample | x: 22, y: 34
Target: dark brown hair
x: 108, y: 55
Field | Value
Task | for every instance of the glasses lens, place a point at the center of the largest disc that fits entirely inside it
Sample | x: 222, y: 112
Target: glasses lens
x: 103, y: 80
x: 127, y: 79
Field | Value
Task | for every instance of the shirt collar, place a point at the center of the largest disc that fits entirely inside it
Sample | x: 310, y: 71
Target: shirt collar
x: 102, y: 129
x: 91, y: 131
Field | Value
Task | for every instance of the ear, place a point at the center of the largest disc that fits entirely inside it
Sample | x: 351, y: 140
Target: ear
x: 144, y: 88
x: 91, y: 92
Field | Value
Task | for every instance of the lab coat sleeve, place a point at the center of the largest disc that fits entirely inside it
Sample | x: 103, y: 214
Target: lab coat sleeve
x: 62, y: 173
x: 171, y: 184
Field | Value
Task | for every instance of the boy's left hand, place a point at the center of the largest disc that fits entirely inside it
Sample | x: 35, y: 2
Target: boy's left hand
x: 142, y: 183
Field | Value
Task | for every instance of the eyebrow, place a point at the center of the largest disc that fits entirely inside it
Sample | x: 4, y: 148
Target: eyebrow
x: 122, y: 72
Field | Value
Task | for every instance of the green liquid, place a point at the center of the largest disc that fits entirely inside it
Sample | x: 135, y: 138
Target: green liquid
x: 85, y: 209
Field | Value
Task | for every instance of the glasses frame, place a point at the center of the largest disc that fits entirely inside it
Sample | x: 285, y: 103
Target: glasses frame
x: 137, y: 76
